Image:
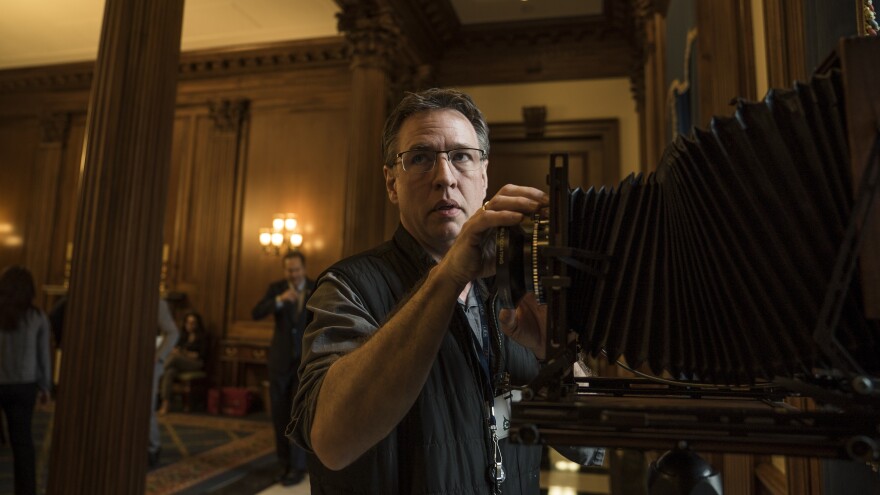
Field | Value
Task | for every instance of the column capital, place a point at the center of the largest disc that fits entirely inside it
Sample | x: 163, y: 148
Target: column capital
x: 228, y: 114
x: 54, y: 127
x: 371, y: 33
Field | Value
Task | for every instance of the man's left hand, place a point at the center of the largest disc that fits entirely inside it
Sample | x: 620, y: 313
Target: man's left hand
x: 527, y: 324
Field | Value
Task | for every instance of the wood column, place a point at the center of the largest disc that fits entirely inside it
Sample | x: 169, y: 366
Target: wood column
x: 653, y: 115
x: 726, y: 56
x: 99, y: 443
x: 372, y: 38
x: 44, y: 199
x: 784, y: 39
x: 648, y: 79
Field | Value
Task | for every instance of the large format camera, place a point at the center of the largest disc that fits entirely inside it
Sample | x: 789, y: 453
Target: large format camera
x: 734, y: 277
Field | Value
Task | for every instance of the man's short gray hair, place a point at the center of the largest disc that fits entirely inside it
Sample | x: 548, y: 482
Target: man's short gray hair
x: 432, y: 99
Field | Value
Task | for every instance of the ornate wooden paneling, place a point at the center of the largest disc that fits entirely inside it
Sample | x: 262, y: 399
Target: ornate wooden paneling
x: 296, y: 162
x: 211, y: 209
x: 18, y: 150
x: 44, y: 189
x: 193, y: 65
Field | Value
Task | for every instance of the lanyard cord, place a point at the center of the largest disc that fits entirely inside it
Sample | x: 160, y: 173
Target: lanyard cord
x: 496, y: 470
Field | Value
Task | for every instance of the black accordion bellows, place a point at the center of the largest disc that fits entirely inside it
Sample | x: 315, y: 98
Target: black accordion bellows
x: 719, y: 262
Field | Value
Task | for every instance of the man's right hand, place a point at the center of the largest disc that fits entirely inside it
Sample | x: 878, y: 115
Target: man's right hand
x: 472, y: 254
x: 289, y: 295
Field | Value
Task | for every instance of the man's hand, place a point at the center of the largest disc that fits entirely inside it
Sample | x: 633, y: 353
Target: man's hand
x: 290, y: 295
x: 473, y: 253
x: 527, y: 325
x: 42, y: 398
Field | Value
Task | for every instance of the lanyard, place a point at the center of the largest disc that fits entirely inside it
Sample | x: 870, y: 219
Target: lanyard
x: 485, y: 355
x: 496, y: 470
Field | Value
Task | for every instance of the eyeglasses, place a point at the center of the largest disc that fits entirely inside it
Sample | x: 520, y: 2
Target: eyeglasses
x: 421, y: 161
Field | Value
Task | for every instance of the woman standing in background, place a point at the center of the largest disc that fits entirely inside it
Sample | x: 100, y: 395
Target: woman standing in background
x: 25, y: 374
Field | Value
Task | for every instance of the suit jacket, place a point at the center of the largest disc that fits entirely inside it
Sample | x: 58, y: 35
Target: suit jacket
x: 286, y: 347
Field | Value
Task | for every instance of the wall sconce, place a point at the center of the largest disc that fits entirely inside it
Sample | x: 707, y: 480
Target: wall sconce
x: 282, y: 237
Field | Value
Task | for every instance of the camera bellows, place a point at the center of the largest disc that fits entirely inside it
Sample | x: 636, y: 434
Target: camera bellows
x: 718, y: 264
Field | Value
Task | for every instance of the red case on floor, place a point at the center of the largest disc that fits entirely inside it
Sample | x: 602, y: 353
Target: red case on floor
x: 236, y: 401
x: 213, y: 402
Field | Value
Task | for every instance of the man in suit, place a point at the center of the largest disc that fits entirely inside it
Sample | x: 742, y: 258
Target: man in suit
x: 286, y: 301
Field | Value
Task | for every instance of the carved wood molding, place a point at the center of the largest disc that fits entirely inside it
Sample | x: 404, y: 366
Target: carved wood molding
x: 640, y: 19
x: 371, y: 33
x: 228, y: 115
x: 67, y: 76
x: 54, y: 127
x: 200, y: 64
x: 275, y: 56
x: 428, y: 25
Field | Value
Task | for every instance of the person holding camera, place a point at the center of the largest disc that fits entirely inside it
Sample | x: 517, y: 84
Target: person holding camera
x: 285, y: 300
x: 401, y: 369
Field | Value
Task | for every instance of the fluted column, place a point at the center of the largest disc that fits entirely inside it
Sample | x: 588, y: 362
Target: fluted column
x: 44, y: 200
x: 99, y: 443
x: 648, y: 79
x: 373, y: 39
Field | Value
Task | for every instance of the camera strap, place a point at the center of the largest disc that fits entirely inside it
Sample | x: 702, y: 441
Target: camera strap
x: 496, y: 469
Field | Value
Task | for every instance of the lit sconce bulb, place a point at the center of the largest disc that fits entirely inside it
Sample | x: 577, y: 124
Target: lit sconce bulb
x: 265, y: 237
x: 278, y: 222
x: 277, y: 239
x: 13, y: 241
x: 296, y: 240
x: 290, y: 223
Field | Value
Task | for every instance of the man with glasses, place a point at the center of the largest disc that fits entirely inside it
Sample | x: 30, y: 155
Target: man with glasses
x: 398, y: 380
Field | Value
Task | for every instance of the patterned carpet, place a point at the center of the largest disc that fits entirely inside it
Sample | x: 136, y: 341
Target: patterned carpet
x: 205, y: 447
x: 198, y: 451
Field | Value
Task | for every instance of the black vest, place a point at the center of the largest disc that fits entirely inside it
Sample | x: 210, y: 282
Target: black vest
x: 442, y: 445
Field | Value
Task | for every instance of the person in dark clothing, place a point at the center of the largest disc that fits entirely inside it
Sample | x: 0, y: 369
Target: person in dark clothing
x: 187, y: 355
x: 25, y: 375
x: 396, y: 392
x: 286, y: 300
x: 56, y: 319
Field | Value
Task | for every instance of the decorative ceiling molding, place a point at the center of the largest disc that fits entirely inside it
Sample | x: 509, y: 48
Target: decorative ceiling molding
x: 66, y: 76
x: 306, y: 54
x: 371, y: 33
x: 429, y: 25
x: 422, y: 42
x: 201, y: 64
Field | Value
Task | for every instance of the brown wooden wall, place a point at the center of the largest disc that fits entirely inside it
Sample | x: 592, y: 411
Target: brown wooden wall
x: 249, y: 142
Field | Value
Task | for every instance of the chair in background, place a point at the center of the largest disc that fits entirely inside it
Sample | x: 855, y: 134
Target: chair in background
x: 192, y: 387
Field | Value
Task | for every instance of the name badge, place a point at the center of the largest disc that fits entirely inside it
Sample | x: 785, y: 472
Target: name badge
x: 502, y: 412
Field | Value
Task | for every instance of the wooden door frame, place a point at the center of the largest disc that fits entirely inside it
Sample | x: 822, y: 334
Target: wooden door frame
x: 605, y: 131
